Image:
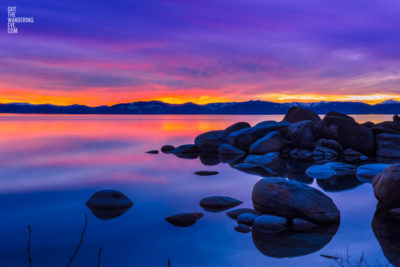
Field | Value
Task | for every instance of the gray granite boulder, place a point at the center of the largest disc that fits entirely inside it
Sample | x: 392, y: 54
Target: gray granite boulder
x: 387, y: 186
x: 291, y: 199
x: 235, y: 127
x: 302, y: 134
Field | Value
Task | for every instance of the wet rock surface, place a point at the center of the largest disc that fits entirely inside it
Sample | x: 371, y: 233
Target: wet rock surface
x: 109, y: 204
x: 219, y: 203
x: 291, y: 199
x: 184, y: 219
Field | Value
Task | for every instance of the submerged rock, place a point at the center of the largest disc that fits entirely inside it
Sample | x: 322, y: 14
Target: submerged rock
x: 292, y: 243
x: 206, y: 173
x: 272, y: 142
x: 387, y: 186
x: 152, y: 152
x: 291, y: 199
x: 184, y: 219
x: 219, y: 203
x: 388, y: 145
x: 347, y: 132
x: 236, y: 212
x: 167, y: 149
x: 301, y: 225
x: 296, y: 114
x: 109, y: 204
x: 209, y: 159
x: 367, y: 172
x: 269, y: 224
x: 302, y: 134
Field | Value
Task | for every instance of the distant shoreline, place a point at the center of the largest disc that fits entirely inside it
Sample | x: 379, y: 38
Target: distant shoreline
x: 232, y: 108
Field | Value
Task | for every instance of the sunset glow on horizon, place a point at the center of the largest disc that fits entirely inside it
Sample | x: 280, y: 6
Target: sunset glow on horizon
x: 224, y: 51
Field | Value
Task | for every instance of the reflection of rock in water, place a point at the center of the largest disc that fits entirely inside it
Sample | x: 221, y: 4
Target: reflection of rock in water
x: 339, y: 183
x: 209, y: 159
x: 292, y: 243
x: 108, y: 204
x: 387, y: 230
x: 297, y: 170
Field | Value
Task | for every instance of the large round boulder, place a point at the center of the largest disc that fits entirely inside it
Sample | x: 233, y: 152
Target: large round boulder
x: 210, y: 134
x: 387, y: 186
x: 347, y: 132
x: 296, y: 114
x: 292, y: 199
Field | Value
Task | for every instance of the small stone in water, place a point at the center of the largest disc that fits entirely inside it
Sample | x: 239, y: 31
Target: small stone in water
x: 206, y: 173
x: 152, y: 152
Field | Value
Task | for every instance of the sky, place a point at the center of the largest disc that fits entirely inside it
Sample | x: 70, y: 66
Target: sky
x: 96, y: 52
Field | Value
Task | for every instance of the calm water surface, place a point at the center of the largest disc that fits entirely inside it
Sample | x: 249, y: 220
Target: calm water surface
x: 50, y: 165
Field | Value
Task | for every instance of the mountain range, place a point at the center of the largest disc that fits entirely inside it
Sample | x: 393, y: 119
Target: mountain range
x: 248, y: 107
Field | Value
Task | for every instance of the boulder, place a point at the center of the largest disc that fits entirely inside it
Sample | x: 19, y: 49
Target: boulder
x: 302, y: 134
x: 206, y: 173
x: 227, y: 149
x: 291, y: 199
x: 109, y: 204
x: 269, y: 224
x: 219, y: 203
x: 388, y: 145
x: 184, y: 219
x: 347, y: 132
x: 235, y: 127
x: 324, y: 153
x: 330, y: 169
x: 235, y: 213
x: 300, y: 153
x: 167, y: 149
x: 271, y: 142
x: 387, y: 186
x: 247, y: 218
x: 367, y: 172
x: 242, y: 228
x: 330, y: 143
x: 210, y: 144
x: 270, y: 162
x: 210, y: 134
x: 296, y: 114
x: 209, y: 159
x: 245, y: 137
x: 187, y: 151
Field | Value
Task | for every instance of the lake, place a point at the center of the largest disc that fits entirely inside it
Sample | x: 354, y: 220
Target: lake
x: 50, y: 165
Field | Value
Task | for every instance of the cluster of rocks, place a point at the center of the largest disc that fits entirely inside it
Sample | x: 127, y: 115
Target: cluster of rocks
x: 302, y: 134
